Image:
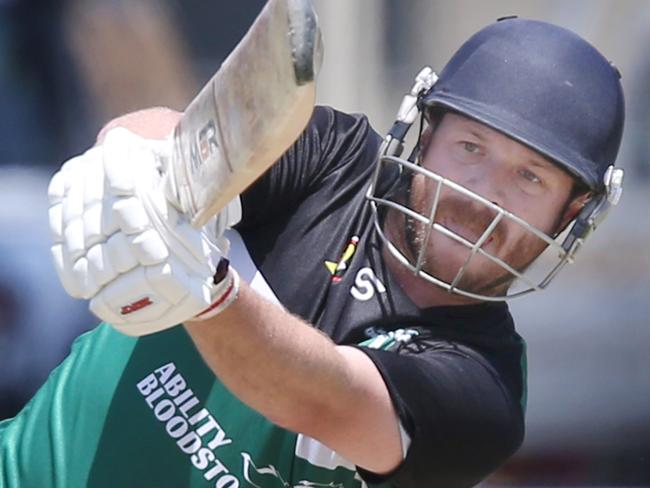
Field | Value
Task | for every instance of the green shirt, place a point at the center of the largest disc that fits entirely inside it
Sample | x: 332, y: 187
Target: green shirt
x: 121, y: 412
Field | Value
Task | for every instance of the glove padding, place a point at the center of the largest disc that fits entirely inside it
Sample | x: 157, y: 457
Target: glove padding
x: 121, y: 244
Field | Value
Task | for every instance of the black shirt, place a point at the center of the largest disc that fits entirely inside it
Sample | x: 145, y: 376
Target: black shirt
x: 458, y: 380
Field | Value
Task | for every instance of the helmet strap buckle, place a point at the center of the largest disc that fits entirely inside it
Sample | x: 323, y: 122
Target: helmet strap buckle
x: 408, y: 112
x: 594, y: 213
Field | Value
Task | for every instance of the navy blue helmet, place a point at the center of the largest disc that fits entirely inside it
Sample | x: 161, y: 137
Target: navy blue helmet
x: 542, y: 85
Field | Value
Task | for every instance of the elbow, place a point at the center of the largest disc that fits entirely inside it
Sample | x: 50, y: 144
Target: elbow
x: 303, y: 418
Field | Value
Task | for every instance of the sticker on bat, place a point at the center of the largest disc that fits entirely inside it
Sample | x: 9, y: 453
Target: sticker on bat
x: 205, y: 146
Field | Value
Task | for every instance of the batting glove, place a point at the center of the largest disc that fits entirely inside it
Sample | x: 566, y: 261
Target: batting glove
x: 119, y: 242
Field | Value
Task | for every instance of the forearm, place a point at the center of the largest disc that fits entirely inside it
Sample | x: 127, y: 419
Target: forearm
x: 300, y: 380
x: 273, y: 361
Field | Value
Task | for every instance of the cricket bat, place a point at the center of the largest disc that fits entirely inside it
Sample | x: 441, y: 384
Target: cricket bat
x: 249, y: 113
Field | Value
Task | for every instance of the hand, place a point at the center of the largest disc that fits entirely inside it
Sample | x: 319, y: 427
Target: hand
x: 121, y: 244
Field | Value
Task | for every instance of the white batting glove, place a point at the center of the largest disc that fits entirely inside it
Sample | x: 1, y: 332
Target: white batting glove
x: 121, y: 244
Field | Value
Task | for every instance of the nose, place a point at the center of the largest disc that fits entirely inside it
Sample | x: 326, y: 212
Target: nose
x: 489, y: 183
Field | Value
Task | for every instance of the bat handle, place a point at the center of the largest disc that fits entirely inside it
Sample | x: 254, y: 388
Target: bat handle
x: 169, y: 178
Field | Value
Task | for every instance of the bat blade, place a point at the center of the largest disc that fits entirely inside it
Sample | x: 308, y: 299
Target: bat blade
x: 249, y: 113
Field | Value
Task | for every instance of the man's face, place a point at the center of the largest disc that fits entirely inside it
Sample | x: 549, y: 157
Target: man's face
x: 502, y: 171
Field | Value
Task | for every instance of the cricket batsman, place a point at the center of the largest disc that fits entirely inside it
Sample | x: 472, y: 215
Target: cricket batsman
x: 357, y: 333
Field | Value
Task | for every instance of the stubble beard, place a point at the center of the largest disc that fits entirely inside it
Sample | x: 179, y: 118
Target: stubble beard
x: 436, y: 265
x: 481, y: 276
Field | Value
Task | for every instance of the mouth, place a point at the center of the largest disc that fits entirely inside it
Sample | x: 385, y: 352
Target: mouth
x: 467, y: 230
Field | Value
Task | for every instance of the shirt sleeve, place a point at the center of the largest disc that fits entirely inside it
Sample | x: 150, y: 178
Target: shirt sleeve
x: 334, y: 147
x: 462, y: 418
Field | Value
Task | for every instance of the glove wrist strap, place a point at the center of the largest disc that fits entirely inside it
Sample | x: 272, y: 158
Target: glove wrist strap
x: 226, y: 292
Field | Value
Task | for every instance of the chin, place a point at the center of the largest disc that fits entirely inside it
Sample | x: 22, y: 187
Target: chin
x: 445, y: 259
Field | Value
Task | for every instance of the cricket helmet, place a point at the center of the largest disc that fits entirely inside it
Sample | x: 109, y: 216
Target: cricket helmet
x: 542, y: 86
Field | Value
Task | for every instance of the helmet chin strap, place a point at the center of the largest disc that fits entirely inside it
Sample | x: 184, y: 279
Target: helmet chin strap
x: 593, y: 213
x: 407, y: 114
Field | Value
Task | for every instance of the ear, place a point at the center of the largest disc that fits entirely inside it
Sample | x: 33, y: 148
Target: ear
x: 425, y: 140
x: 574, y: 208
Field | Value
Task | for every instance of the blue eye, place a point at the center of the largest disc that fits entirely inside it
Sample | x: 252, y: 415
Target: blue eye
x: 530, y: 176
x: 470, y: 147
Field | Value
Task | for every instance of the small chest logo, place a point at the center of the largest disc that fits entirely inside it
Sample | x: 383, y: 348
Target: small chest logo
x: 337, y: 269
x: 366, y: 284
